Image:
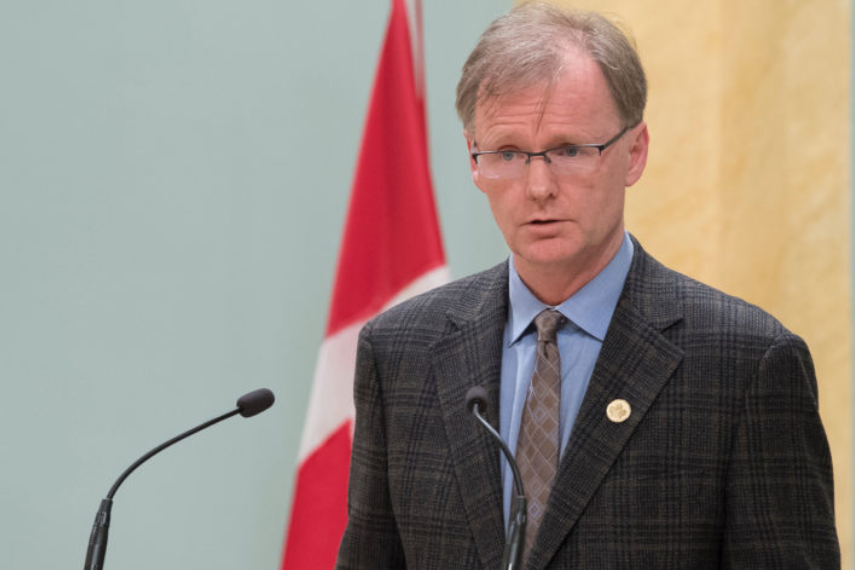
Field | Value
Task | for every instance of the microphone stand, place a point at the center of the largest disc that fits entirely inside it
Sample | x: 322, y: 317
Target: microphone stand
x: 248, y: 405
x: 101, y: 527
x: 512, y: 555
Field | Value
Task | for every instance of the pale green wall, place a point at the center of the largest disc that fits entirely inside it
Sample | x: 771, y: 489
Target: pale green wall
x: 173, y: 181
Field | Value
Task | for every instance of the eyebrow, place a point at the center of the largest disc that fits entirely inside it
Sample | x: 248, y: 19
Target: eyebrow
x: 559, y: 142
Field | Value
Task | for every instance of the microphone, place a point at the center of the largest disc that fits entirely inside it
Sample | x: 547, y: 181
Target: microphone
x: 255, y: 402
x: 476, y: 400
x: 248, y: 405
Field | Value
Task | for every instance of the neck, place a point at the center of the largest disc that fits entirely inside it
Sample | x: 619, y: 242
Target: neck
x: 554, y: 283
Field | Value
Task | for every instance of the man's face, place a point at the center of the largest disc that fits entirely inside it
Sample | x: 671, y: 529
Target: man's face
x: 566, y: 221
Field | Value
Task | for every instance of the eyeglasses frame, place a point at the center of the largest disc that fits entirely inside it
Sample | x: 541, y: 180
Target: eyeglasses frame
x: 530, y: 155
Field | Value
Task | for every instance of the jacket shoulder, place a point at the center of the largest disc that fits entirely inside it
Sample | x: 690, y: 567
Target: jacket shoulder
x: 707, y: 308
x: 439, y: 308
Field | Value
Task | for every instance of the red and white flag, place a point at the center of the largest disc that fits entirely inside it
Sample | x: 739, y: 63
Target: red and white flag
x: 391, y: 250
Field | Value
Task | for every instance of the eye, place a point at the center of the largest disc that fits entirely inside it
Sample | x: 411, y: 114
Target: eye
x: 508, y: 155
x: 568, y: 152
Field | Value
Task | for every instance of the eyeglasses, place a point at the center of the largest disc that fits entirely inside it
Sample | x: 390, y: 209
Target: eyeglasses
x: 567, y: 159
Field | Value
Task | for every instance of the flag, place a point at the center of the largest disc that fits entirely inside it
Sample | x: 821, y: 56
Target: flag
x: 391, y: 250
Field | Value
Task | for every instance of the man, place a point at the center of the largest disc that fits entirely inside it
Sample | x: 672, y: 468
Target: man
x: 658, y: 423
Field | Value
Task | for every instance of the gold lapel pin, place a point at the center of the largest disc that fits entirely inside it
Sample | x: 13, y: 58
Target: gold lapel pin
x: 618, y: 411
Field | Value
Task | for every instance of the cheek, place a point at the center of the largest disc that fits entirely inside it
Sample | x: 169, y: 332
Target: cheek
x: 610, y: 207
x: 608, y: 192
x: 503, y: 199
x: 505, y: 212
x: 500, y: 208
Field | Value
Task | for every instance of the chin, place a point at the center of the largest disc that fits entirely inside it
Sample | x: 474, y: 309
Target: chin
x: 545, y: 254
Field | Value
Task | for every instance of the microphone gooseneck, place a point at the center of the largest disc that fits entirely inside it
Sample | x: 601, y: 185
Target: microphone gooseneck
x: 163, y: 446
x: 247, y: 406
x: 512, y: 557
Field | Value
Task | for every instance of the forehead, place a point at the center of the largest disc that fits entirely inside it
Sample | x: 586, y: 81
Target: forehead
x: 577, y: 103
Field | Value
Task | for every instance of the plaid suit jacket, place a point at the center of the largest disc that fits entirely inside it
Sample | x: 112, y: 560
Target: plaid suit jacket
x: 723, y: 462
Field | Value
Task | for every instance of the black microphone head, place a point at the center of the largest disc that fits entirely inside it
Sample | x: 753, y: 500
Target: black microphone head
x: 476, y: 395
x: 255, y: 402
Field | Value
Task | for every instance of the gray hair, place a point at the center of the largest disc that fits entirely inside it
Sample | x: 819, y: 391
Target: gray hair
x: 528, y: 46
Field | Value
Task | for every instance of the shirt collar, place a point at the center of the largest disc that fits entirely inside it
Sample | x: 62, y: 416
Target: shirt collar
x: 590, y: 308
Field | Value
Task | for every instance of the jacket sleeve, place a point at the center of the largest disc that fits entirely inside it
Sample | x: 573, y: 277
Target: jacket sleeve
x: 780, y: 491
x: 371, y: 540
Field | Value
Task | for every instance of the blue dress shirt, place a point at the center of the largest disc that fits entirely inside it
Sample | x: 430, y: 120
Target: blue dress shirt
x: 589, y: 312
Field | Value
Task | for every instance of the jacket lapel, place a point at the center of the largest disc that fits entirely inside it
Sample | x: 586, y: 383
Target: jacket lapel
x: 635, y: 362
x: 471, y: 356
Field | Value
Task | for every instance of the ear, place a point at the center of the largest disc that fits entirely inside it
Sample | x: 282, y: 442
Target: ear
x: 473, y: 166
x: 637, y: 153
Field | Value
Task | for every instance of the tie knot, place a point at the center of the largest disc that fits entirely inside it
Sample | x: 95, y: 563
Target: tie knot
x: 548, y: 322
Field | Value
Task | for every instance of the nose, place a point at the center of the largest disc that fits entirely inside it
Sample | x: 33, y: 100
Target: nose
x: 540, y: 183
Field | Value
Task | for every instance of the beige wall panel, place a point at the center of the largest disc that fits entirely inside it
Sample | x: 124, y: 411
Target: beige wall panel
x: 747, y: 186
